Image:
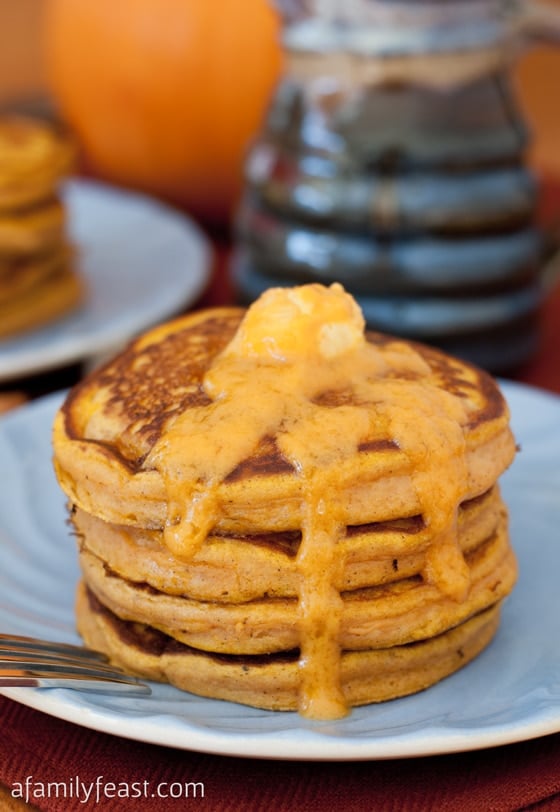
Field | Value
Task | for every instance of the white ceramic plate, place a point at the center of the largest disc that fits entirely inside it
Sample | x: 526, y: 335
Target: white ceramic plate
x: 141, y: 262
x: 510, y: 693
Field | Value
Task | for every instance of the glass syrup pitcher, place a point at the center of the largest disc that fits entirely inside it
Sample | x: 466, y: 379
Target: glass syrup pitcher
x: 392, y: 160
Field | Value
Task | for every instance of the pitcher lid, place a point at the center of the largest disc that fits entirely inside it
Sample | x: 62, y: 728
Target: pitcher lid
x: 398, y: 27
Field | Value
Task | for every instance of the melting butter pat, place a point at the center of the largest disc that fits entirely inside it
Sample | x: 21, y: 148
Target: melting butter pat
x: 285, y: 324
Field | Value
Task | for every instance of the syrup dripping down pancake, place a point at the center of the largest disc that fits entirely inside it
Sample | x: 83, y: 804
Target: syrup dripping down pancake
x: 273, y: 682
x: 240, y: 568
x: 378, y: 616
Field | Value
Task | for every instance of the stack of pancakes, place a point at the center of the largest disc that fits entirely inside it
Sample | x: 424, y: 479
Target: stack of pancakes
x: 37, y: 280
x: 287, y: 515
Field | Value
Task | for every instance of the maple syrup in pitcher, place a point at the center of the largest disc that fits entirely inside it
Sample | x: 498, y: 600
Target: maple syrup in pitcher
x: 392, y: 160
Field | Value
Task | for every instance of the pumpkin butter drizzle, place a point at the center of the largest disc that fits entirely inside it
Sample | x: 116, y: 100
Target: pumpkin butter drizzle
x: 294, y: 345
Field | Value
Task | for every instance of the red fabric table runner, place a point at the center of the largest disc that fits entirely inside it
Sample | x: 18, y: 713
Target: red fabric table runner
x: 36, y: 749
x: 49, y: 750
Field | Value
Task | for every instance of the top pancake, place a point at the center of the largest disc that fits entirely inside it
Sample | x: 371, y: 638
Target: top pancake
x: 111, y: 422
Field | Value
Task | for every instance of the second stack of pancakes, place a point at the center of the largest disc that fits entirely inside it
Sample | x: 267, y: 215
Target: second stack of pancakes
x: 356, y: 553
x: 37, y: 279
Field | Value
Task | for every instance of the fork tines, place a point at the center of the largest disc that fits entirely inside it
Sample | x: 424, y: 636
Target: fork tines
x: 26, y: 661
x: 14, y: 642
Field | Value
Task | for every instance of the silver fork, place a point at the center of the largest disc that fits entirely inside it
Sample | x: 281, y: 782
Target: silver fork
x: 29, y: 662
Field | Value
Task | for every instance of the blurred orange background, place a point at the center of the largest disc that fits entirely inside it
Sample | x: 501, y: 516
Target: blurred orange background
x: 537, y: 77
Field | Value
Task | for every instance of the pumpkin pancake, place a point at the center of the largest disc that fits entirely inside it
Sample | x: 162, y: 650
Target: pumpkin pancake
x: 274, y: 682
x: 53, y: 297
x: 236, y: 569
x: 33, y: 231
x: 111, y: 423
x: 374, y: 617
x: 33, y: 159
x: 38, y: 279
x: 245, y: 484
x: 22, y: 274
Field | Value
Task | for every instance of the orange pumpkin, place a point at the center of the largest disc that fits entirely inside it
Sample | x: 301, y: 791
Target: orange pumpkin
x: 165, y: 95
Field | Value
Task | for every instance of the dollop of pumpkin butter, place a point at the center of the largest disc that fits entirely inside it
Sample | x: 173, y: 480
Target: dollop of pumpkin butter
x: 289, y: 324
x: 293, y: 345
